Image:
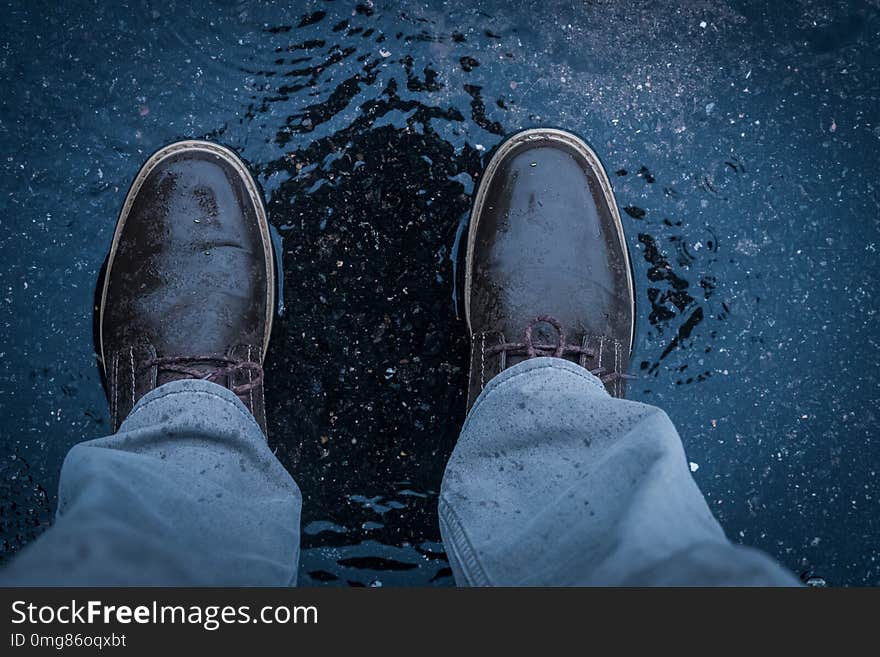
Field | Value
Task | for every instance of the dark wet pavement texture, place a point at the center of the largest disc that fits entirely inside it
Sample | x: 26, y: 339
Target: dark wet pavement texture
x: 744, y: 137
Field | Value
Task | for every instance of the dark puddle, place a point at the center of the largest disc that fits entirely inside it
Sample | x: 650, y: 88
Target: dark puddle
x: 367, y: 368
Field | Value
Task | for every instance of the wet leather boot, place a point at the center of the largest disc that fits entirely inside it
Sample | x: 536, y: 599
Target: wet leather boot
x: 189, y: 286
x: 547, y: 270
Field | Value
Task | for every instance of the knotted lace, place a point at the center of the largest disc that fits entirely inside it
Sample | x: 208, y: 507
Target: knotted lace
x: 530, y: 349
x: 210, y: 368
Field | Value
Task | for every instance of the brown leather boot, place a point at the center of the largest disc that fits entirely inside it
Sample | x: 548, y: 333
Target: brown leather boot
x: 547, y: 270
x: 189, y: 289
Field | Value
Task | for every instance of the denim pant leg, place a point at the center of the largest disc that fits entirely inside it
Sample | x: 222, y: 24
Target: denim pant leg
x: 187, y: 493
x: 555, y: 482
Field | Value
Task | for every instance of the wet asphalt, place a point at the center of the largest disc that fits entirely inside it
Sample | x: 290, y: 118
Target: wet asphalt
x: 741, y: 138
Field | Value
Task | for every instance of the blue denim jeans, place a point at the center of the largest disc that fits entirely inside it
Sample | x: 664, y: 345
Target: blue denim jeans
x: 552, y: 482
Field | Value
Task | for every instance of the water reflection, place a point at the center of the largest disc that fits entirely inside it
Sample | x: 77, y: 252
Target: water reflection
x: 369, y: 360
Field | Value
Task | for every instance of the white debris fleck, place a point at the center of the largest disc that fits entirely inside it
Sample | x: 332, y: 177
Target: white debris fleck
x: 694, y: 466
x: 703, y: 24
x: 384, y: 53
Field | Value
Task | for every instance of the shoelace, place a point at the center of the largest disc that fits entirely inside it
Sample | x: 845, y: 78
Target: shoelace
x: 214, y: 369
x: 530, y: 349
